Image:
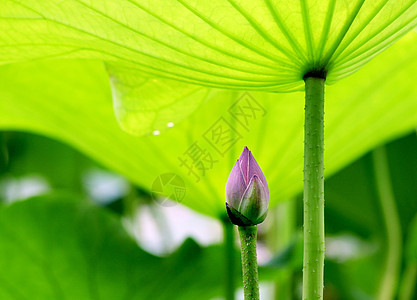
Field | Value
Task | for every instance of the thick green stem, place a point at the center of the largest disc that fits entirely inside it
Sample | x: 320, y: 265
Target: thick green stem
x: 408, y: 282
x: 392, y: 226
x: 313, y: 189
x: 249, y: 262
x: 229, y: 263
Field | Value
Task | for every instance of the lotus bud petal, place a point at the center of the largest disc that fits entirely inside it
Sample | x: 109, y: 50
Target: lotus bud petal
x: 247, y: 193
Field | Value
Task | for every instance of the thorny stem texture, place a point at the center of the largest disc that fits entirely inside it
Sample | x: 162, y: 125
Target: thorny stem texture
x: 313, y: 189
x: 249, y: 262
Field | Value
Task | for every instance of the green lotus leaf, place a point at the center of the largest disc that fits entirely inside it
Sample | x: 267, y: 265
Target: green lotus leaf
x: 245, y: 44
x: 145, y: 104
x: 64, y: 248
x: 70, y: 101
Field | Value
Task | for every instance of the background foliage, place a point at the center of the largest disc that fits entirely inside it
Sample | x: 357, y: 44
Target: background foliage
x: 177, y: 73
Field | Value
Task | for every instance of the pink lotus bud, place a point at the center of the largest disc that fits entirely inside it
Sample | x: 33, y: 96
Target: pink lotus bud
x: 247, y: 193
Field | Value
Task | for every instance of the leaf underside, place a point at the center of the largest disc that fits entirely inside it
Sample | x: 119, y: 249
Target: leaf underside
x: 246, y: 44
x: 70, y: 101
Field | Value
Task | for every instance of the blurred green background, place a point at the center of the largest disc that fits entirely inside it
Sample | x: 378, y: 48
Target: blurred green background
x: 71, y: 229
x: 135, y: 85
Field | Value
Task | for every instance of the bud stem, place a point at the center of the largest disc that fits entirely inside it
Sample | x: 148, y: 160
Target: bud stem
x: 313, y: 189
x: 249, y: 262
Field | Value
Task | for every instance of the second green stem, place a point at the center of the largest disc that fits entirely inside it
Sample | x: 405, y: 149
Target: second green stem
x: 313, y: 189
x: 392, y: 224
x: 229, y: 240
